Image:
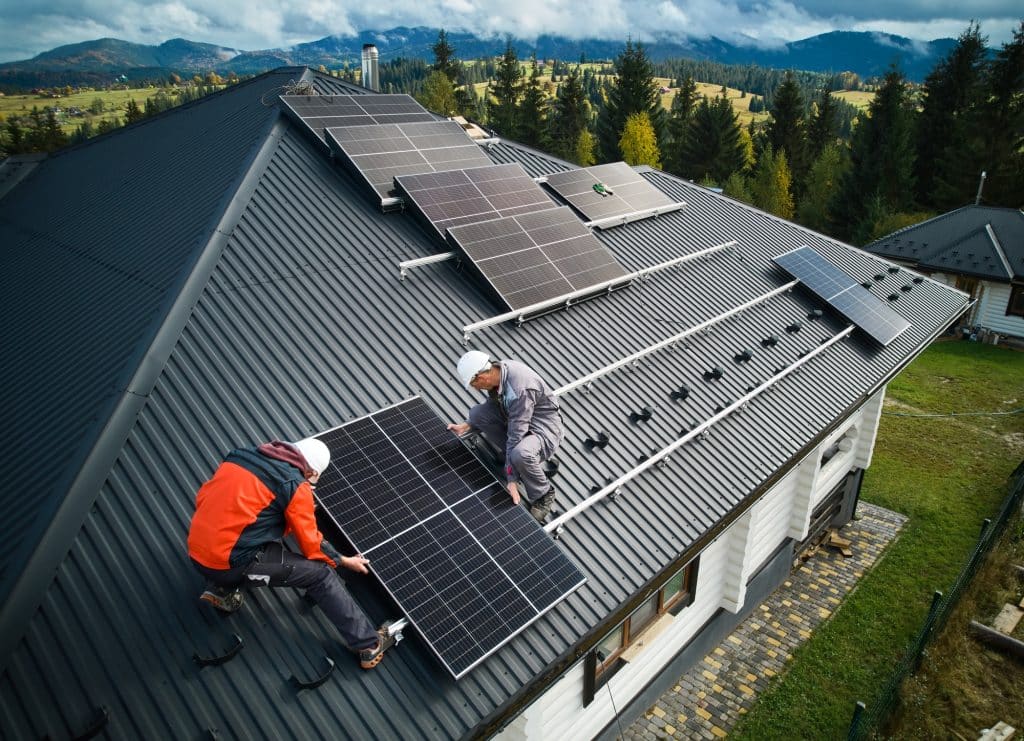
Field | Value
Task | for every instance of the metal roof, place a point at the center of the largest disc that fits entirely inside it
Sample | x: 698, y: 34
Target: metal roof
x: 301, y: 323
x: 979, y: 241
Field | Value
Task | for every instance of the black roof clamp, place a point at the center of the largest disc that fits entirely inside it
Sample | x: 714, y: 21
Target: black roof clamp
x: 714, y: 374
x: 223, y: 658
x: 316, y: 682
x: 601, y: 441
x: 644, y: 414
x: 744, y: 356
x: 680, y: 393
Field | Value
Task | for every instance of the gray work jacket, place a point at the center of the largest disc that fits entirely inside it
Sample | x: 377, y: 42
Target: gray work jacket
x: 528, y: 404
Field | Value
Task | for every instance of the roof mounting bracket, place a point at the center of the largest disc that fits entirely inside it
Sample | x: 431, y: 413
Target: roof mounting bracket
x: 313, y: 683
x: 223, y: 658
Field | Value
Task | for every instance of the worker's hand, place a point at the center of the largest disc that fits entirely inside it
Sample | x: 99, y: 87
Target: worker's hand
x: 513, y: 490
x: 356, y: 563
x: 460, y: 428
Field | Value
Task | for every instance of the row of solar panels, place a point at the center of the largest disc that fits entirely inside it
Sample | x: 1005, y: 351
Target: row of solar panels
x: 524, y: 246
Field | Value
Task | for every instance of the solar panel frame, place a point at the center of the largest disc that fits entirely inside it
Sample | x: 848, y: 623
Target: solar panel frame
x: 320, y: 112
x: 533, y: 257
x: 382, y: 152
x: 631, y: 194
x: 455, y: 198
x: 844, y: 294
x: 468, y: 569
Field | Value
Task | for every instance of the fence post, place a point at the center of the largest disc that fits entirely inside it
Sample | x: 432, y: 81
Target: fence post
x: 984, y: 529
x: 858, y: 711
x: 929, y: 624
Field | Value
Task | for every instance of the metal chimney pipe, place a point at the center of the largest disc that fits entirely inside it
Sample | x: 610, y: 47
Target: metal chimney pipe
x: 371, y: 68
x: 981, y: 184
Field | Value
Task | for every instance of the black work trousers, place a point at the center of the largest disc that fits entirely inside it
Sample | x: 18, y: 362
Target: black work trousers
x: 276, y: 566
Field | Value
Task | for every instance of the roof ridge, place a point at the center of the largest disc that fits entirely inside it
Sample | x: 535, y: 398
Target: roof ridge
x: 98, y: 455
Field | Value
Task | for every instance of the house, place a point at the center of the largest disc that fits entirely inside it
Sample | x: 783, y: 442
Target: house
x: 979, y: 250
x: 209, y: 277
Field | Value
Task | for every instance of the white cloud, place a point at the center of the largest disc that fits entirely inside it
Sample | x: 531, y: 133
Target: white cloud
x: 32, y: 27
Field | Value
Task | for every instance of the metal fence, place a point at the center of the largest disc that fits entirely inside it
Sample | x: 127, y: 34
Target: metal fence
x: 868, y: 720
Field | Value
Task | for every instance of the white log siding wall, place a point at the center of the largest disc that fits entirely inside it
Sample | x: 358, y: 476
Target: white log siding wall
x: 991, y: 311
x: 726, y: 566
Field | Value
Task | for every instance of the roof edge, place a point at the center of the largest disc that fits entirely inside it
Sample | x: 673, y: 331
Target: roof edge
x: 42, y: 561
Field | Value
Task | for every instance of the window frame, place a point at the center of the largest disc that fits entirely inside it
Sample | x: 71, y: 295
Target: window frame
x: 1015, y: 304
x: 597, y: 669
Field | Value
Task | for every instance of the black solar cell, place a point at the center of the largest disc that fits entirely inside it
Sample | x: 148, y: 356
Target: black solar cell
x: 468, y: 568
x: 320, y: 112
x: 843, y: 293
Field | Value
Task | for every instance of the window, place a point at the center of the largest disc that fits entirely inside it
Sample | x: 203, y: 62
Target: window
x: 606, y: 657
x: 1015, y: 306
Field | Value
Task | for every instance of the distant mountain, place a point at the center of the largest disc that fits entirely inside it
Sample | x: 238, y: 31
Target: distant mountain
x: 92, y: 62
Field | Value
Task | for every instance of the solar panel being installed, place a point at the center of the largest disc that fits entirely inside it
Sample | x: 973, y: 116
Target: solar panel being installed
x: 380, y: 153
x: 610, y: 192
x: 469, y: 569
x: 320, y: 112
x: 843, y: 294
x: 459, y: 197
x: 536, y: 256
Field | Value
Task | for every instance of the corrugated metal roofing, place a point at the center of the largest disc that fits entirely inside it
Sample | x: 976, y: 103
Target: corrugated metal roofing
x: 304, y: 324
x: 980, y: 241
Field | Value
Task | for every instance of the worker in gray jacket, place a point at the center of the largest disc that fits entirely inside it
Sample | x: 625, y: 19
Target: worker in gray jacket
x: 520, y: 417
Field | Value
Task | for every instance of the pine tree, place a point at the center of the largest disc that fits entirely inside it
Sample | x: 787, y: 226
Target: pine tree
x: 880, y: 178
x: 583, y: 154
x: 771, y: 183
x: 823, y: 178
x: 712, y: 148
x: 639, y: 145
x: 53, y: 135
x: 683, y: 104
x: 736, y: 187
x: 533, y: 111
x: 823, y: 128
x: 634, y: 90
x: 786, y: 131
x: 1001, y: 119
x: 444, y: 58
x: 950, y: 91
x: 132, y: 112
x: 505, y: 90
x: 568, y: 117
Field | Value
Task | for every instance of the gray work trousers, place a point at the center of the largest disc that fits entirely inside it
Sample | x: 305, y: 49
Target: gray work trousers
x: 527, y: 458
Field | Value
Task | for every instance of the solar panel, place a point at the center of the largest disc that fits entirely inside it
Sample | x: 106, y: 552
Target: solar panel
x: 843, y: 294
x: 467, y: 196
x: 469, y: 569
x: 619, y: 191
x: 320, y: 112
x: 380, y: 153
x: 536, y: 256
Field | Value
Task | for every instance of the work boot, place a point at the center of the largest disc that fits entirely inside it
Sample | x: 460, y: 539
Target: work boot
x: 542, y: 506
x: 225, y: 599
x: 370, y: 657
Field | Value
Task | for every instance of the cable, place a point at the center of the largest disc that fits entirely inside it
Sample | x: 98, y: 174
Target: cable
x: 961, y: 413
x: 614, y: 709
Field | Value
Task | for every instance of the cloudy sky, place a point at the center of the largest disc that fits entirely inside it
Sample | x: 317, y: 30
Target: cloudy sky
x: 32, y: 26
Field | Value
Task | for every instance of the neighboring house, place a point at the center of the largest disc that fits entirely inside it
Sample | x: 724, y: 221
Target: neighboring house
x: 208, y: 278
x: 978, y: 249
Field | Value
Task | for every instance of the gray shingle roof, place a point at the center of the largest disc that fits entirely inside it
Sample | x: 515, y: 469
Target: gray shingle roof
x: 979, y: 241
x: 300, y: 324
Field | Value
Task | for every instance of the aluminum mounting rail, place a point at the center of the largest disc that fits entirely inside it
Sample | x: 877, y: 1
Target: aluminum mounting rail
x: 557, y: 525
x: 567, y: 298
x: 588, y: 379
x: 403, y: 267
x: 634, y: 216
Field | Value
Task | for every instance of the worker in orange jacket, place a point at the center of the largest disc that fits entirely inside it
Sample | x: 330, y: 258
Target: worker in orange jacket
x: 255, y: 498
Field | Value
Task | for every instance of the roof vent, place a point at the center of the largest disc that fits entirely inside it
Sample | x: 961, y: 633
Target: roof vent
x: 600, y: 442
x: 744, y: 357
x: 879, y: 276
x: 893, y: 269
x: 919, y: 280
x: 770, y: 341
x: 794, y: 327
x: 644, y: 414
x: 906, y: 288
x: 714, y: 374
x: 814, y: 315
x: 680, y: 393
x: 866, y: 284
x: 893, y: 296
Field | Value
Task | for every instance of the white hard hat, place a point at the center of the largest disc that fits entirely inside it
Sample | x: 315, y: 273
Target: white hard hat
x: 316, y: 453
x: 472, y: 363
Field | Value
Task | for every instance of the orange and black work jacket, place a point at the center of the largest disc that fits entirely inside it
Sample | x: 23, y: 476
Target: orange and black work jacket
x: 256, y: 496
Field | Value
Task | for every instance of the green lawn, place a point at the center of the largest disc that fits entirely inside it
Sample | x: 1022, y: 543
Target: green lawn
x: 114, y: 102
x: 948, y: 475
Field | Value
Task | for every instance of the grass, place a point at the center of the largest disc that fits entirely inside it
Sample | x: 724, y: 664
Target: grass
x: 948, y: 475
x: 114, y: 102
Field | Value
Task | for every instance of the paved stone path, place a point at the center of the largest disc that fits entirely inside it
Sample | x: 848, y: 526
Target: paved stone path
x: 709, y: 699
